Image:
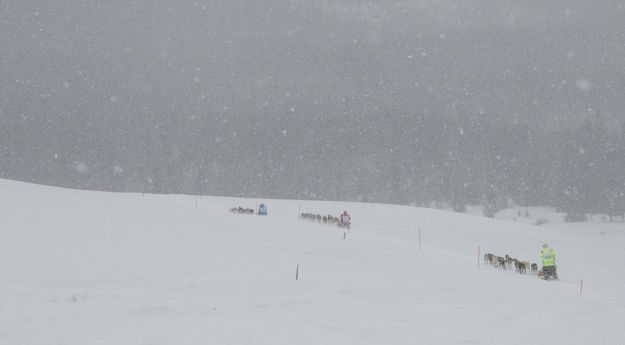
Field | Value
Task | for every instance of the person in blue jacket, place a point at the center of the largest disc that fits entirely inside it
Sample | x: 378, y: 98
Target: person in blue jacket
x: 262, y: 210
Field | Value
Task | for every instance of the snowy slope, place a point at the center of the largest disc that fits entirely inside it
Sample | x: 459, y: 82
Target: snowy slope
x: 103, y: 268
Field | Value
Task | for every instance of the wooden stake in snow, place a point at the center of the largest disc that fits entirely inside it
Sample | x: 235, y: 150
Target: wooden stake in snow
x: 344, y: 234
x: 478, y: 257
x: 297, y: 272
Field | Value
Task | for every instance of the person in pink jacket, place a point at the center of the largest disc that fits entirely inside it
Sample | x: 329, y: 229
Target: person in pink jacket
x: 346, y: 220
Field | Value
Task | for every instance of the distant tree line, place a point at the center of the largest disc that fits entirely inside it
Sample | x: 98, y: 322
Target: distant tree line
x: 416, y: 159
x: 319, y: 101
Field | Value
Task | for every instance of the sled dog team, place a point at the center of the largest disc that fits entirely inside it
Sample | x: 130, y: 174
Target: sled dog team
x: 343, y: 221
x: 548, y: 256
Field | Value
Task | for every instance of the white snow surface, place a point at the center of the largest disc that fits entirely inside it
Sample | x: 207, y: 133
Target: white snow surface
x: 80, y: 267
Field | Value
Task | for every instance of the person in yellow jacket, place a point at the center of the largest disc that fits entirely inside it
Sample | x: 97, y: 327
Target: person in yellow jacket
x: 548, y: 255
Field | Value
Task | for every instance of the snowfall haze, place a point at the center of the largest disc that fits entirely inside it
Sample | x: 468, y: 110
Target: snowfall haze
x: 409, y: 102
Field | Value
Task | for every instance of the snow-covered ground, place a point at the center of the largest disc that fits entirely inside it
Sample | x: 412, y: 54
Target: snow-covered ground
x: 82, y: 267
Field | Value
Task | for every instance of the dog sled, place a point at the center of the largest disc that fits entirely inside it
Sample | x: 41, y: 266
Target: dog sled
x: 344, y: 225
x: 548, y: 273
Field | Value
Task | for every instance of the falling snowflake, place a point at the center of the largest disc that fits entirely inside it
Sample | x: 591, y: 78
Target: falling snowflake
x: 583, y: 84
x: 81, y: 167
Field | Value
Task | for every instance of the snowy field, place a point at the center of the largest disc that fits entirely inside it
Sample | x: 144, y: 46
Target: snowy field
x: 82, y: 267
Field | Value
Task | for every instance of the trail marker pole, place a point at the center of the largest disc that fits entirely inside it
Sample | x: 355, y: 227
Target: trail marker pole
x: 196, y: 202
x: 419, y: 238
x: 299, y: 211
x: 478, y: 257
x: 297, y: 272
x: 581, y: 286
